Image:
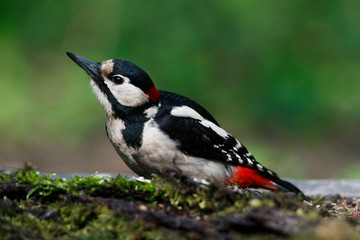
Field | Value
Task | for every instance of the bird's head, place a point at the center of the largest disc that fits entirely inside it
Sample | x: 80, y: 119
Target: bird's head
x: 117, y: 83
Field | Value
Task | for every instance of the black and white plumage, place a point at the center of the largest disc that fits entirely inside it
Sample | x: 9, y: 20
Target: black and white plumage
x: 159, y: 132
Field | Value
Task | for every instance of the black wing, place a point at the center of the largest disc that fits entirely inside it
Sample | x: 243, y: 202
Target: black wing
x: 198, y: 138
x: 173, y: 99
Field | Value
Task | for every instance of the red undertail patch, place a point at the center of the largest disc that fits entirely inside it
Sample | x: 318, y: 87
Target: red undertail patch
x: 250, y: 178
x: 153, y: 94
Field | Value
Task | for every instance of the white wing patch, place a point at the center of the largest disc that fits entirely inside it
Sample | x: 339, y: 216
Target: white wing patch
x: 215, y: 128
x: 232, y: 154
x: 185, y: 111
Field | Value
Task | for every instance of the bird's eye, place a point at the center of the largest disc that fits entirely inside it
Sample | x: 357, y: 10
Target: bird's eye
x: 117, y: 79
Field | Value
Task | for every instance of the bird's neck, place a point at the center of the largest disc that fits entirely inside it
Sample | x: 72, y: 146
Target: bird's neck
x: 113, y: 107
x: 124, y: 112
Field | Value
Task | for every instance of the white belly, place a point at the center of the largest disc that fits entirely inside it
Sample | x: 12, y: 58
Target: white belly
x: 159, y: 154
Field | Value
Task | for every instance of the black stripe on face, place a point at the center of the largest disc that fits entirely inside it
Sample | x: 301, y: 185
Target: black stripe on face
x: 119, y: 111
x: 137, y: 76
x: 134, y: 117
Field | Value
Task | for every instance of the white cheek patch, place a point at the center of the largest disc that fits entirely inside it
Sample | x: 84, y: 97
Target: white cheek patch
x: 127, y: 94
x: 185, y: 111
x: 102, y: 98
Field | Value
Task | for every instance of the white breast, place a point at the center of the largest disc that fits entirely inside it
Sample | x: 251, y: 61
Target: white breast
x: 159, y: 154
x: 157, y: 151
x: 114, y: 130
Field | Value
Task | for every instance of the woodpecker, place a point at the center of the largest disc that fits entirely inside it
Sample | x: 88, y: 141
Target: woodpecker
x: 160, y: 132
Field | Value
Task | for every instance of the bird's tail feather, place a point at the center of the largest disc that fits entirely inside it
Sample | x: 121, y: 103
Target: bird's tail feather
x: 251, y: 178
x: 287, y: 186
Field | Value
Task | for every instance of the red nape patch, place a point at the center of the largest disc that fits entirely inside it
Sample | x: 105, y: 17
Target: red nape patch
x: 153, y: 94
x: 250, y: 178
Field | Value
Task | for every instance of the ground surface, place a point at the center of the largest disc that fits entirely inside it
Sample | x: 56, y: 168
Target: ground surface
x: 347, y: 188
x: 93, y: 207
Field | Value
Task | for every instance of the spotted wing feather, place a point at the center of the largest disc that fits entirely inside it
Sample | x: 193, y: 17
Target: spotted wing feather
x: 197, y: 139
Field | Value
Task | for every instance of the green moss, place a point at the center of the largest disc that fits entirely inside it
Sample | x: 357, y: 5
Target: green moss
x: 73, y: 221
x: 45, y: 185
x: 119, y: 208
x: 192, y: 198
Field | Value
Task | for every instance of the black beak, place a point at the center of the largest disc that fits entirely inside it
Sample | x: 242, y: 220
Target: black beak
x: 92, y: 68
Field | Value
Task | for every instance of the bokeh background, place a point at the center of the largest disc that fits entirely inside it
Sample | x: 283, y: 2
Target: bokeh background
x: 281, y: 76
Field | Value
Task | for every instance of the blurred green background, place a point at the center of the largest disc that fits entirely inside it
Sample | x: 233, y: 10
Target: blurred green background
x: 281, y: 76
